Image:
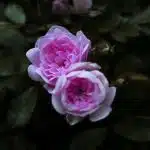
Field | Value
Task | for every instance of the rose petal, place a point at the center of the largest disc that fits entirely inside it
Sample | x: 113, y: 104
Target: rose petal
x: 88, y: 75
x: 53, y: 33
x: 59, y: 84
x: 85, y: 44
x: 38, y: 71
x: 83, y: 66
x: 34, y: 56
x: 101, y: 113
x: 101, y: 76
x: 56, y: 102
x: 49, y: 89
x: 110, y: 95
x: 73, y: 74
x: 43, y: 41
x: 57, y: 30
x: 72, y: 120
x: 32, y: 73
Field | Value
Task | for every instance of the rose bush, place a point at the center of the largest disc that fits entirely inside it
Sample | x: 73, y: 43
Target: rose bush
x: 55, y: 52
x: 83, y: 93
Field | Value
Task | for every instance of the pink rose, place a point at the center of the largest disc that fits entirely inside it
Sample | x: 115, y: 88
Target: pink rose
x: 77, y: 7
x: 83, y: 93
x: 55, y: 52
x: 60, y: 6
x: 82, y: 6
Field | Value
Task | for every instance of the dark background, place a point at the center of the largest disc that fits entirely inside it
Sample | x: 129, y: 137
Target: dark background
x: 27, y: 119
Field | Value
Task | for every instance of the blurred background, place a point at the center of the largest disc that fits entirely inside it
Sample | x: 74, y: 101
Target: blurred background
x: 120, y: 35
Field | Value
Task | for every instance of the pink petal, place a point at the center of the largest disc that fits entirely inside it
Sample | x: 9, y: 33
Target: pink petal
x: 56, y: 31
x: 88, y: 75
x: 53, y: 33
x: 83, y: 66
x: 73, y: 74
x: 110, y: 95
x: 32, y: 73
x: 85, y: 44
x: 101, y: 76
x: 49, y: 89
x: 34, y: 56
x: 38, y: 71
x: 59, y: 84
x: 56, y: 102
x: 72, y: 120
x: 100, y: 114
x: 43, y: 41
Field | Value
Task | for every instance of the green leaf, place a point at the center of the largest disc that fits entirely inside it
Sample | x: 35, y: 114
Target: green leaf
x: 135, y: 91
x: 17, y: 142
x: 128, y: 63
x: 119, y: 37
x: 134, y: 128
x: 15, y: 13
x: 22, y: 108
x: 141, y: 17
x: 110, y: 24
x: 20, y: 142
x: 16, y: 83
x: 124, y: 31
x: 2, y: 17
x: 10, y: 37
x: 88, y: 140
x: 10, y: 65
x: 7, y: 66
x: 145, y: 29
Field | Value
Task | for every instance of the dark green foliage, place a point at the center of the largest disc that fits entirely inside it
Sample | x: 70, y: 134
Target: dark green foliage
x: 120, y: 35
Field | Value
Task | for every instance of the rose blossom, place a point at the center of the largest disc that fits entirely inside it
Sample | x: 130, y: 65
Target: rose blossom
x: 77, y: 6
x: 82, y: 6
x: 60, y: 6
x: 55, y: 52
x: 83, y: 93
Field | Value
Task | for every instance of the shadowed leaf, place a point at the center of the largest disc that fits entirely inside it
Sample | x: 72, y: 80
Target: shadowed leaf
x: 10, y: 37
x: 134, y: 128
x: 22, y: 108
x: 88, y: 140
x: 142, y: 17
x: 15, y: 13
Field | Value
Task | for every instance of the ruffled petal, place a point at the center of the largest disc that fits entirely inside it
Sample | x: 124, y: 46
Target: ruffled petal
x: 59, y: 84
x: 56, y: 31
x: 100, y: 114
x: 32, y: 73
x: 53, y: 33
x: 102, y: 78
x: 83, y: 66
x: 34, y: 56
x: 38, y: 71
x: 48, y: 88
x: 85, y: 45
x: 110, y: 95
x: 56, y: 102
x: 43, y: 41
x: 88, y: 75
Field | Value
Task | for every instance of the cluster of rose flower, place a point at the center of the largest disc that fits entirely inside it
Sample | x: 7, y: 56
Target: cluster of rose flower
x: 77, y: 87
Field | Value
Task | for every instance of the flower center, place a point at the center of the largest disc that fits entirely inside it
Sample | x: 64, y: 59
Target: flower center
x: 79, y: 91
